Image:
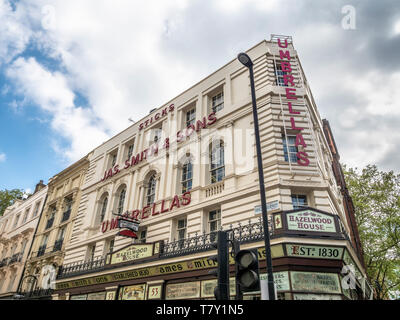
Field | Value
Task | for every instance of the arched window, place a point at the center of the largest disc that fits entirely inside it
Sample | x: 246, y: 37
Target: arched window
x: 187, y: 175
x: 103, y: 209
x: 217, y: 167
x: 121, y: 200
x: 151, y: 190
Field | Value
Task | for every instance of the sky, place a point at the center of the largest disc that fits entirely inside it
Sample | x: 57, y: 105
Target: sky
x: 73, y: 72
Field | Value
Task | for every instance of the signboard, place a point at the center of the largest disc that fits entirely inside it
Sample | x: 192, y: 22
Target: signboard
x: 170, y: 268
x: 273, y: 205
x: 110, y: 295
x: 96, y: 296
x: 78, y: 297
x: 281, y: 280
x: 128, y: 224
x: 186, y: 290
x: 309, y: 296
x: 319, y: 252
x: 278, y: 221
x: 131, y: 253
x: 135, y: 292
x: 154, y: 292
x: 311, y: 221
x: 315, y: 282
x: 207, y: 287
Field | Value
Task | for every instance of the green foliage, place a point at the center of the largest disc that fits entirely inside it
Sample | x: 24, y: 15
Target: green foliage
x: 8, y: 197
x: 376, y: 199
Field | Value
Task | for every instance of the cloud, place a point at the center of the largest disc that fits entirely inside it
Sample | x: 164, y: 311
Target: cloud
x: 127, y: 57
x: 2, y: 157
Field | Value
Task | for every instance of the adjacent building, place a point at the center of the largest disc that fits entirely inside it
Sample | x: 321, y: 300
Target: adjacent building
x: 17, y: 228
x: 189, y: 169
x: 53, y: 232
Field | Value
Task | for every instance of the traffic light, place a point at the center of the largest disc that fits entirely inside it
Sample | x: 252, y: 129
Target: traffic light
x: 247, y: 274
x: 221, y: 291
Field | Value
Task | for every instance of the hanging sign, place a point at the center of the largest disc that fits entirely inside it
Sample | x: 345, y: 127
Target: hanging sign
x: 128, y: 224
x: 131, y: 253
x: 312, y: 221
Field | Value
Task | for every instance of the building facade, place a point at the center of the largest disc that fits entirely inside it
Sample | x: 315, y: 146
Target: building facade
x: 53, y: 232
x: 17, y: 228
x: 189, y: 169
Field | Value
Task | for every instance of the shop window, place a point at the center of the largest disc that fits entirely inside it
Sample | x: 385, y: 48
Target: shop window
x: 217, y: 167
x: 289, y: 148
x: 299, y: 201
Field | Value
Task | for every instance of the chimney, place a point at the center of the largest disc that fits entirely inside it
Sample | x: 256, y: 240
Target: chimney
x: 39, y: 186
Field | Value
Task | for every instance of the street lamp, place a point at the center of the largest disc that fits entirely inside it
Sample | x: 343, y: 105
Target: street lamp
x: 246, y: 61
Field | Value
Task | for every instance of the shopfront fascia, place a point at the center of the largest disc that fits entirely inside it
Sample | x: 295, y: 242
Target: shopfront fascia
x: 306, y: 266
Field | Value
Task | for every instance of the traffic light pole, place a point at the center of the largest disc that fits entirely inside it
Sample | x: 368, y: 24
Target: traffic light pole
x: 271, y: 289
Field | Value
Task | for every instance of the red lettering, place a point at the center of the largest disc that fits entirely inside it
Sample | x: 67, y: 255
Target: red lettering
x: 290, y: 93
x: 141, y: 126
x: 188, y: 131
x: 212, y: 118
x: 135, y: 214
x: 166, y: 143
x: 144, y: 211
x: 201, y: 124
x: 175, y: 203
x: 135, y: 160
x: 288, y: 78
x: 285, y: 54
x: 127, y: 164
x: 171, y: 107
x: 300, y: 140
x: 186, y: 198
x: 179, y: 136
x: 162, y: 207
x: 164, y: 112
x: 293, y: 124
x: 114, y: 223
x: 116, y: 169
x: 154, y: 212
x: 286, y: 66
x: 280, y: 45
x: 291, y: 110
x: 154, y: 149
x: 104, y: 226
x: 303, y: 158
x: 157, y: 116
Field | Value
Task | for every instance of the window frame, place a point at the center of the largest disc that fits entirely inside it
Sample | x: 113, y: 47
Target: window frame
x: 217, y: 101
x: 220, y: 166
x: 151, y: 190
x: 287, y: 154
x: 296, y: 197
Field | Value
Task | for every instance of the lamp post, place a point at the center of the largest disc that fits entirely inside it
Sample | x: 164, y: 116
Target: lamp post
x: 246, y: 61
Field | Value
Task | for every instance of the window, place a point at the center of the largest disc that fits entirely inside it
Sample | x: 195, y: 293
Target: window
x: 142, y: 236
x: 110, y: 246
x: 217, y: 162
x: 187, y: 176
x: 51, y: 218
x: 292, y: 154
x: 214, y: 220
x: 35, y: 212
x: 217, y: 102
x: 121, y: 200
x: 299, y: 201
x: 23, y: 246
x: 26, y: 215
x: 67, y: 211
x: 16, y: 220
x: 103, y: 209
x: 113, y: 160
x: 151, y: 190
x: 279, y: 75
x: 130, y: 151
x: 181, y: 229
x: 190, y: 117
x: 157, y: 134
x: 91, y: 252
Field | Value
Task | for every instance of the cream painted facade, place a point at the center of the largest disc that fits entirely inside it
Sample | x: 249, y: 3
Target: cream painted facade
x: 17, y: 228
x: 232, y: 200
x: 54, y: 229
